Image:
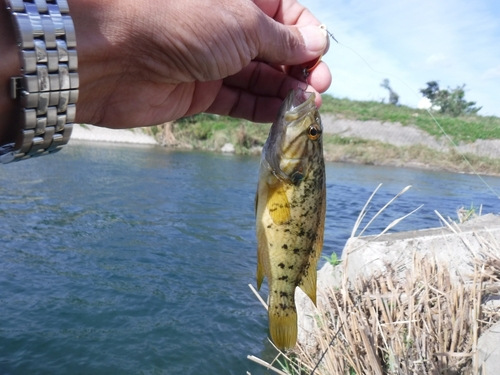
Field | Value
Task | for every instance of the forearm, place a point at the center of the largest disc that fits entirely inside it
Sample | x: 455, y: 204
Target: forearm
x: 9, y: 66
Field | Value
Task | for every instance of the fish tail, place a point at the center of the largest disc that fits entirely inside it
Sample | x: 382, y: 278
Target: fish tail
x: 283, y: 327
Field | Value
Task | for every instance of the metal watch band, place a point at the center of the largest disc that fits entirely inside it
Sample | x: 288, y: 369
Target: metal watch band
x: 48, y: 88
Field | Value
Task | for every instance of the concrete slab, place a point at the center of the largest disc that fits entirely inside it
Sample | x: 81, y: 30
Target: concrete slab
x: 370, y: 254
x: 488, y: 351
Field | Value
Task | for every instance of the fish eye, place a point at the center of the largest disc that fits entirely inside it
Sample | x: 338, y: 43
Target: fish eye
x: 314, y: 132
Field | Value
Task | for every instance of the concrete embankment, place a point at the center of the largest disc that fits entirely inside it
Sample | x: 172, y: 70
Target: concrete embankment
x: 399, y: 135
x: 98, y: 134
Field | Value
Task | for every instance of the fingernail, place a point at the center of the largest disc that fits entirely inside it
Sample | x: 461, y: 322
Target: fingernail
x: 315, y: 38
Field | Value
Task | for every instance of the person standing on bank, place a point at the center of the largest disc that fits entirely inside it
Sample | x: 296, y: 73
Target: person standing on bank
x: 132, y: 63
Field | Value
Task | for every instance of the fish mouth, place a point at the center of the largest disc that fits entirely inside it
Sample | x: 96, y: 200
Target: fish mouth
x: 295, y: 107
x: 298, y: 101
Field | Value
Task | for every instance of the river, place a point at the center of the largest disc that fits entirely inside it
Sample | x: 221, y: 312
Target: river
x: 135, y: 260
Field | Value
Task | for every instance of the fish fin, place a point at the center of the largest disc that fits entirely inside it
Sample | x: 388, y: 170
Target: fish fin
x: 256, y: 202
x: 308, y: 284
x: 283, y: 328
x: 260, y: 273
x: 278, y: 205
x: 261, y: 234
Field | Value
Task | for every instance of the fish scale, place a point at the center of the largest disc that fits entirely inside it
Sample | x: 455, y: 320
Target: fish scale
x: 290, y: 212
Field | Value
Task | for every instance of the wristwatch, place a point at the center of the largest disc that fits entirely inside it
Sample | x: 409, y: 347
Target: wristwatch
x: 47, y: 89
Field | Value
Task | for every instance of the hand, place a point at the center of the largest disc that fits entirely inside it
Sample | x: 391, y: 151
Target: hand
x: 146, y: 62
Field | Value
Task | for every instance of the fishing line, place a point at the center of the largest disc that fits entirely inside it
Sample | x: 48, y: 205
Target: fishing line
x: 427, y: 110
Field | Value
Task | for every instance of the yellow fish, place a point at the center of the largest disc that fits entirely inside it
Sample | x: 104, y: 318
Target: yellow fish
x: 290, y: 212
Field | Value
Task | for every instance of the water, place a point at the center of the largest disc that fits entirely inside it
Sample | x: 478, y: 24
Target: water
x: 136, y: 260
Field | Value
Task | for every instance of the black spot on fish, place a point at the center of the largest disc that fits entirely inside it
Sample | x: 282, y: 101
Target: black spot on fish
x: 269, y: 226
x: 286, y: 230
x: 285, y: 246
x: 284, y: 277
x: 281, y: 265
x: 283, y: 306
x: 283, y: 294
x: 290, y: 267
x: 301, y: 232
x: 296, y: 251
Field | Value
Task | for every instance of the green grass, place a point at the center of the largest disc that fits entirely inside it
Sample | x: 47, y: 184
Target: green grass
x: 464, y: 128
x: 212, y: 132
x: 333, y: 259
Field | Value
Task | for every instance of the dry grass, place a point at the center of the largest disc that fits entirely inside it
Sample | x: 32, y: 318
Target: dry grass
x: 416, y: 323
x: 422, y: 325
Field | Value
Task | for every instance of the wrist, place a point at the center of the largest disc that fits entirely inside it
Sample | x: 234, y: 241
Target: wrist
x: 9, y: 66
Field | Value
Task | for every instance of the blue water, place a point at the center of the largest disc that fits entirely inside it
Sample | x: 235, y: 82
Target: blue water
x: 136, y: 260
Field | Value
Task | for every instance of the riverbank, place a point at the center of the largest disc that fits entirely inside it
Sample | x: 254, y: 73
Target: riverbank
x: 392, y: 144
x: 368, y: 142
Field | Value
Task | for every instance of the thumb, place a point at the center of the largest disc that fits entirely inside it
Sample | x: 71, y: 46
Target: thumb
x: 291, y: 45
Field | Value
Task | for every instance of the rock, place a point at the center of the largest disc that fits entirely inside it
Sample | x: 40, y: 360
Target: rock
x: 306, y: 312
x: 488, y: 351
x: 228, y: 148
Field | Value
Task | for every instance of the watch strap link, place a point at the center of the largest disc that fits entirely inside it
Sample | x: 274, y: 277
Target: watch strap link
x: 48, y: 87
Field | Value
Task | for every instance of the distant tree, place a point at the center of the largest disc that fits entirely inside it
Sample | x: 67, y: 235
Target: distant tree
x: 431, y: 91
x: 393, y: 97
x: 451, y: 101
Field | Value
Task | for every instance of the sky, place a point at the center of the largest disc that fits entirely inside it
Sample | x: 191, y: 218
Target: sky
x: 453, y: 42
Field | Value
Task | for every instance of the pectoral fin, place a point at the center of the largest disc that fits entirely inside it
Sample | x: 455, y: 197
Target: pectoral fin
x: 260, y: 199
x: 260, y: 272
x: 308, y: 284
x: 278, y: 205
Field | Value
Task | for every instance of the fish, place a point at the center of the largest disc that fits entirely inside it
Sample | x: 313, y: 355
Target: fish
x: 290, y: 208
